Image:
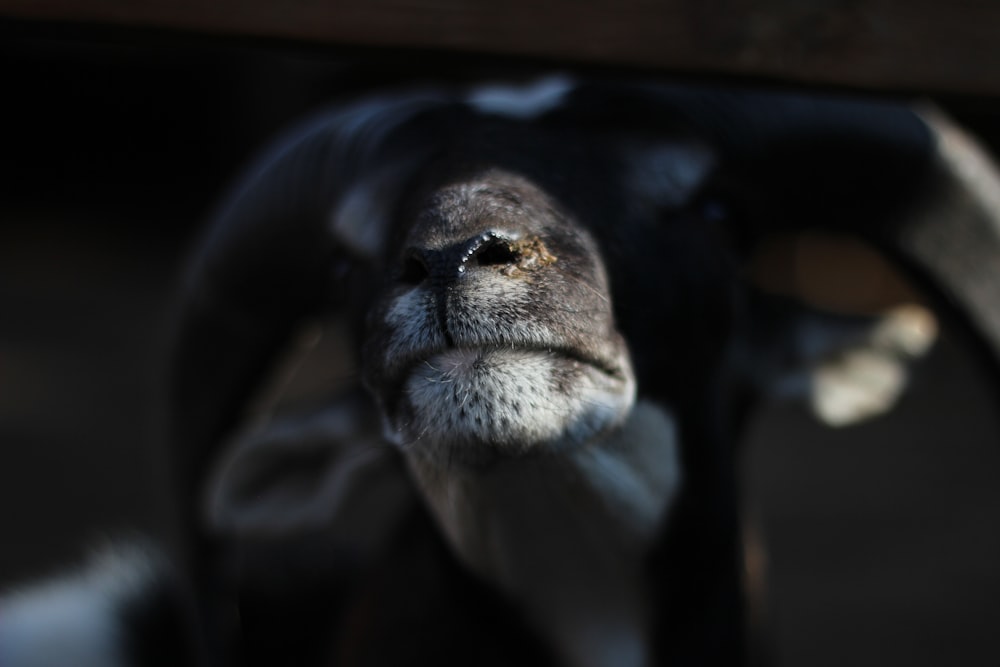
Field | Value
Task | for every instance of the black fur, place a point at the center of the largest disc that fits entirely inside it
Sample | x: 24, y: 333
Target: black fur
x: 660, y: 261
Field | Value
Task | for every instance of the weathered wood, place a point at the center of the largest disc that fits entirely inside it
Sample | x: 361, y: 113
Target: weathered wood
x: 901, y: 45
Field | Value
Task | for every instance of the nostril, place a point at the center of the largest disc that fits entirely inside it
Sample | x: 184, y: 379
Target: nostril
x: 498, y: 252
x: 414, y: 269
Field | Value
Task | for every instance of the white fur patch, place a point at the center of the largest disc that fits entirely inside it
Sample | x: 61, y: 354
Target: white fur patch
x: 74, y: 620
x: 509, y: 398
x: 522, y: 102
x: 867, y: 378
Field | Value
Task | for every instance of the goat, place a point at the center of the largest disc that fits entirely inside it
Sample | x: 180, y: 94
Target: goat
x: 546, y: 285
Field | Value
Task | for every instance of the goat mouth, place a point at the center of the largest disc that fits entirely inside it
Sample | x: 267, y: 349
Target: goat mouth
x: 506, y: 399
x: 468, y: 360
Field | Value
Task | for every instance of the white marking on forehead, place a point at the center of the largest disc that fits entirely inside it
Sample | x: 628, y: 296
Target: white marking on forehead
x: 522, y: 102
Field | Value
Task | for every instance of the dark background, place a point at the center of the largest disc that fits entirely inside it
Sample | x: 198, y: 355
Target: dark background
x: 883, y: 539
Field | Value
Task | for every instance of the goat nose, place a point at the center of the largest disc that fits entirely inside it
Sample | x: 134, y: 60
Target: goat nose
x: 448, y: 264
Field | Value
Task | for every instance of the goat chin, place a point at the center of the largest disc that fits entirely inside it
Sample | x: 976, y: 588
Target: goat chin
x: 566, y: 534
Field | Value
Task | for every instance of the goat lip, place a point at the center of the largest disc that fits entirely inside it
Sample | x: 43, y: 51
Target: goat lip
x: 480, y: 352
x: 402, y: 371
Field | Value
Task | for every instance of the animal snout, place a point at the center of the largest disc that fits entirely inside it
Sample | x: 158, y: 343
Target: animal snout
x: 444, y: 266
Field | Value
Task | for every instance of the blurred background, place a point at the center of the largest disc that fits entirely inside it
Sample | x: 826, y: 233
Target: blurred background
x: 882, y: 540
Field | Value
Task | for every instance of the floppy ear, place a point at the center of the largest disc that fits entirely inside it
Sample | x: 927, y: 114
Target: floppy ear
x: 912, y: 184
x: 313, y: 211
x: 326, y: 481
x: 909, y: 182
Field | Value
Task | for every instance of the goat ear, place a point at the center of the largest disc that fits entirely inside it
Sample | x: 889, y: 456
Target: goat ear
x: 326, y: 480
x: 313, y: 210
x: 909, y: 182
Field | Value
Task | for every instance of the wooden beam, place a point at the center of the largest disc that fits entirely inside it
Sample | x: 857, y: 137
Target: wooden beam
x: 892, y: 45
